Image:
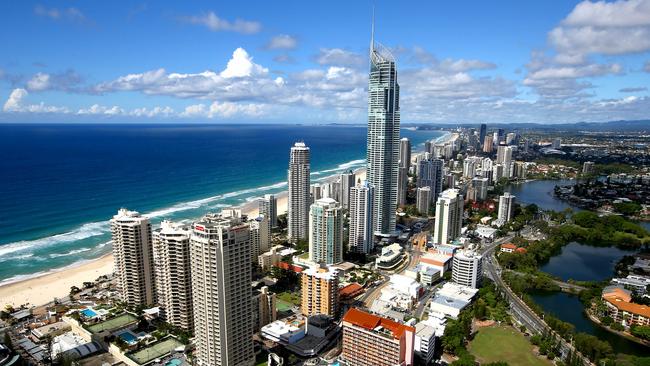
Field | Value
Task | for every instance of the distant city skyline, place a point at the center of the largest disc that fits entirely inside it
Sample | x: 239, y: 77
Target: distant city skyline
x: 467, y: 62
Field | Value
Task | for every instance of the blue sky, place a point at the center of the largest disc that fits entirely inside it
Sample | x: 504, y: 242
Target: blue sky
x: 306, y: 62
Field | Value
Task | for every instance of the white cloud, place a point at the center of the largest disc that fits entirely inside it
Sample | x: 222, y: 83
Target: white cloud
x: 339, y: 57
x: 153, y: 112
x: 241, y: 65
x: 224, y: 110
x: 56, y: 14
x: 216, y: 24
x: 15, y: 99
x: 615, y: 14
x: 97, y: 109
x: 40, y: 81
x: 15, y: 103
x: 282, y: 42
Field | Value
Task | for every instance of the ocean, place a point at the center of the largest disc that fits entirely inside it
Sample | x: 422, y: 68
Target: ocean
x: 60, y: 184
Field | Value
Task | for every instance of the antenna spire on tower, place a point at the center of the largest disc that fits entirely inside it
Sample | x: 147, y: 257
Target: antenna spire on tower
x: 372, y: 31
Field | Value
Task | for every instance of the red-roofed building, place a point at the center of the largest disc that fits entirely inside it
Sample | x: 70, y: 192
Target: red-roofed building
x: 508, y: 248
x: 370, y: 340
x: 521, y: 250
x: 291, y: 267
x: 350, y: 291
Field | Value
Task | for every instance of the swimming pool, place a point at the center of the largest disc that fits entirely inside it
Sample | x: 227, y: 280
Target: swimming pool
x: 128, y: 337
x: 174, y: 362
x: 89, y: 313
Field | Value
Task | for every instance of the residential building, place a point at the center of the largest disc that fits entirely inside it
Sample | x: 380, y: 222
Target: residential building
x: 479, y: 188
x: 383, y: 137
x: 430, y: 175
x: 270, y: 258
x: 449, y: 216
x: 487, y: 144
x: 260, y: 236
x: 326, y: 232
x: 506, y: 207
x: 320, y: 291
x: 171, y: 257
x: 267, y: 307
x: 133, y: 256
x: 402, y: 185
x: 299, y: 199
x: 405, y: 153
x: 425, y: 342
x: 370, y: 340
x: 347, y: 182
x: 467, y: 268
x: 623, y: 311
x: 588, y: 167
x: 423, y: 200
x: 360, y: 217
x: 268, y: 206
x: 220, y: 249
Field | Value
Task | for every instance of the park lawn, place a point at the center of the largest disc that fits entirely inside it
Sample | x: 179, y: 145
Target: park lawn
x: 502, y: 343
x: 289, y: 297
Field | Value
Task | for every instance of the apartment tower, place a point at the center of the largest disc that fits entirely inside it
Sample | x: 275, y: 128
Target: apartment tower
x: 449, y: 217
x: 133, y: 256
x: 326, y: 232
x: 171, y: 257
x: 221, y: 291
x: 299, y: 199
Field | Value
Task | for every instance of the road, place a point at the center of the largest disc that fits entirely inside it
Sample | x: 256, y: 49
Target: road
x: 519, y: 309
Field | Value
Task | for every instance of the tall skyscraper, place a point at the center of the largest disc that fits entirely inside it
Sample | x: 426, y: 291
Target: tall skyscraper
x: 171, y: 256
x: 133, y: 256
x: 449, y: 217
x: 430, y: 175
x: 360, y: 231
x: 268, y: 206
x: 383, y: 137
x: 299, y: 198
x: 320, y: 291
x: 482, y: 133
x: 467, y: 268
x: 326, y: 232
x: 423, y: 200
x: 506, y: 207
x: 370, y: 340
x: 480, y: 188
x: 347, y: 182
x: 221, y: 291
x: 405, y: 152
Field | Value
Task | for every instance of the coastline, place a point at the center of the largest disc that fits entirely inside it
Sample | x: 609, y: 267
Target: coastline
x: 43, y: 288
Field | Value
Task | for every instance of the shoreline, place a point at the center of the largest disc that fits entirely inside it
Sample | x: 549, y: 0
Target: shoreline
x: 45, y: 287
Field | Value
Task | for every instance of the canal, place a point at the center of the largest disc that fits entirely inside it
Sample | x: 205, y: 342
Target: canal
x: 578, y: 262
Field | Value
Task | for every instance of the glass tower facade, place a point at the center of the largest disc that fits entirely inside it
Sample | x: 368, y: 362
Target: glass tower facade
x: 383, y: 137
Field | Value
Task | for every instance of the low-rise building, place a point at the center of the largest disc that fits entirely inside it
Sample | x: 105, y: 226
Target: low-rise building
x: 425, y: 342
x: 623, y: 311
x: 370, y: 340
x: 391, y: 257
x: 451, y: 299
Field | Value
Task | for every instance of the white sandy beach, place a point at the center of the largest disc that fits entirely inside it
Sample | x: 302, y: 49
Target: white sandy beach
x: 43, y: 289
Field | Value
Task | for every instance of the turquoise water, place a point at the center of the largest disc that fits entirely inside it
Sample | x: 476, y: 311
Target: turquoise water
x: 173, y: 362
x: 128, y: 337
x: 89, y: 313
x: 62, y: 183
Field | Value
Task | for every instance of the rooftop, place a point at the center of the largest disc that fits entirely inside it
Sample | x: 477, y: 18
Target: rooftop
x: 375, y: 323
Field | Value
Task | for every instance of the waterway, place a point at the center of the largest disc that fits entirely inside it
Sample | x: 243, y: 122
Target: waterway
x: 568, y: 308
x: 584, y: 263
x: 540, y: 192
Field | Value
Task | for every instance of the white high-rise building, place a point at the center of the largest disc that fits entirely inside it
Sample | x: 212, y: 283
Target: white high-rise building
x: 326, y: 232
x: 316, y: 192
x: 268, y: 206
x: 383, y: 137
x: 221, y: 291
x: 423, y: 200
x: 405, y: 153
x: 449, y: 217
x: 480, y: 188
x: 171, y: 256
x: 260, y: 236
x: 347, y: 182
x: 467, y: 268
x: 506, y: 207
x: 133, y: 256
x: 299, y: 198
x: 360, y: 231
